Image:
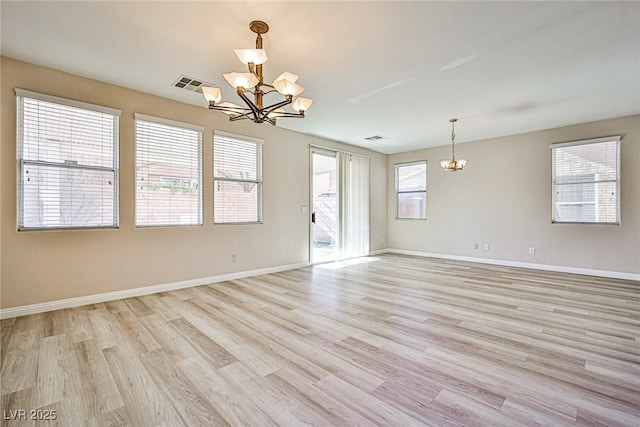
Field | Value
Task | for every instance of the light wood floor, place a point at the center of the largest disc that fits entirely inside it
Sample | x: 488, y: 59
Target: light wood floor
x: 387, y: 340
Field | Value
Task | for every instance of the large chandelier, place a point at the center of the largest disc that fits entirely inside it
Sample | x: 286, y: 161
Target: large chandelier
x: 453, y: 164
x: 253, y: 83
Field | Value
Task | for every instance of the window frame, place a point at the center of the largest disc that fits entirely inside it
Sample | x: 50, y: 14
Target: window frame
x: 397, y: 167
x: 182, y: 125
x: 22, y: 162
x: 594, y: 182
x: 258, y: 182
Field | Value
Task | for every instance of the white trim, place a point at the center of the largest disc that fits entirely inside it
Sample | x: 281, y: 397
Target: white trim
x: 335, y: 150
x: 42, y: 307
x: 239, y: 137
x: 396, y: 171
x: 417, y: 162
x: 24, y: 310
x: 379, y: 252
x: 64, y: 101
x: 507, y: 263
x: 586, y: 141
x: 174, y: 123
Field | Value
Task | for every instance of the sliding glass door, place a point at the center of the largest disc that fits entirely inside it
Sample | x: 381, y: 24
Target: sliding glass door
x: 339, y: 205
x: 324, y: 206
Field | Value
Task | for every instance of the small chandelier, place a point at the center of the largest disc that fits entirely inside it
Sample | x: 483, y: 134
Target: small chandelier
x: 453, y: 164
x: 253, y: 83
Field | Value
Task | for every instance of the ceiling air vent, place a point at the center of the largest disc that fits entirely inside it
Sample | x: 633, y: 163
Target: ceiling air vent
x: 373, y: 138
x: 191, y: 84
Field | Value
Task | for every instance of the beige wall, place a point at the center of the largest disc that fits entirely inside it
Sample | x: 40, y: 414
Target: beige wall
x: 494, y: 201
x: 53, y: 265
x: 503, y: 198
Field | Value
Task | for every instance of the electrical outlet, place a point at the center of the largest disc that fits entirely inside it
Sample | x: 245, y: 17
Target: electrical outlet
x: 486, y: 246
x: 382, y: 240
x: 532, y: 250
x: 234, y: 258
x: 476, y: 246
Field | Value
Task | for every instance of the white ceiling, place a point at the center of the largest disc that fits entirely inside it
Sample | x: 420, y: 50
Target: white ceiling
x: 400, y: 70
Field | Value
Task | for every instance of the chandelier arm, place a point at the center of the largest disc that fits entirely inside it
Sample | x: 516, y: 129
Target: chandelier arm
x: 273, y: 107
x: 241, y: 117
x: 284, y: 115
x: 287, y: 114
x: 229, y: 109
x: 234, y: 113
x: 252, y: 106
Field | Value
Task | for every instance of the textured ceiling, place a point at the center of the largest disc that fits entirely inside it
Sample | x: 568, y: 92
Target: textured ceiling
x: 400, y: 70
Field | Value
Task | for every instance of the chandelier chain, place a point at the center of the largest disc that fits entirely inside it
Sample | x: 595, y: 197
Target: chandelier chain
x: 453, y: 137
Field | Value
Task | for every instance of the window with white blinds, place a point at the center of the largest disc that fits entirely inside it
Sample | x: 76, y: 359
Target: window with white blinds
x: 586, y: 181
x: 411, y: 190
x: 168, y: 173
x: 68, y: 163
x: 237, y: 179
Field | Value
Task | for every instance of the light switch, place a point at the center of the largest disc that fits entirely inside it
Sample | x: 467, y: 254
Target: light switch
x: 303, y: 209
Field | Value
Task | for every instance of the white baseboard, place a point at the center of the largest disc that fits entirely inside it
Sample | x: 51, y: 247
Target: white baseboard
x: 24, y: 310
x: 379, y: 251
x: 147, y: 290
x: 506, y: 263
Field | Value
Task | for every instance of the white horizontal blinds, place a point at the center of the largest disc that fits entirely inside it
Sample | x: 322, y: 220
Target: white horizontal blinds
x: 168, y: 173
x: 237, y: 179
x: 411, y: 190
x: 68, y: 163
x: 586, y: 181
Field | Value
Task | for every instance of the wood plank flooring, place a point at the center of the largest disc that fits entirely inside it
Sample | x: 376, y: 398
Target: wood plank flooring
x: 385, y: 340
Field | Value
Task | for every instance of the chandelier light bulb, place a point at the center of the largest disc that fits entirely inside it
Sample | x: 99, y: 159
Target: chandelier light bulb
x: 301, y: 104
x: 251, y: 56
x: 445, y: 164
x: 287, y: 76
x: 288, y: 88
x: 213, y: 95
x: 241, y: 80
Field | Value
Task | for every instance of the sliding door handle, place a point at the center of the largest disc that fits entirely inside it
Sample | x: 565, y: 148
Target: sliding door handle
x: 313, y: 217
